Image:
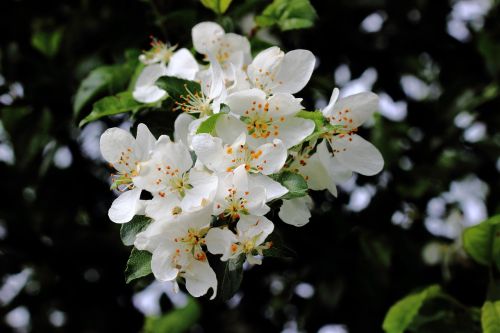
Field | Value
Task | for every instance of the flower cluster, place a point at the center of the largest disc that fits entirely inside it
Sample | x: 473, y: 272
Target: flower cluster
x: 242, y: 139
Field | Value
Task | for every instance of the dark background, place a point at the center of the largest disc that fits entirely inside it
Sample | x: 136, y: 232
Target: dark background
x: 358, y: 260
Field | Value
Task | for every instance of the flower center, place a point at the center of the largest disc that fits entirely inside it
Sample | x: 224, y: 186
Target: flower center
x: 159, y: 51
x: 195, y: 102
x: 236, y: 205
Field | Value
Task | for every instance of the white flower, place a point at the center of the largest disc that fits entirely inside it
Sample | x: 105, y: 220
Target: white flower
x: 321, y: 170
x: 267, y: 159
x: 350, y: 149
x: 227, y: 48
x: 181, y: 64
x: 213, y: 92
x: 270, y: 118
x: 274, y: 72
x: 296, y: 211
x: 126, y: 154
x: 252, y: 232
x: 175, y: 185
x: 177, y: 251
x: 236, y: 196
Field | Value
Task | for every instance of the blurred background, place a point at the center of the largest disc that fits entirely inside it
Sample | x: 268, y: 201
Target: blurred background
x: 435, y: 66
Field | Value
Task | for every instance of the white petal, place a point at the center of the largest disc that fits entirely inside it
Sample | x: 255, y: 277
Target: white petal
x: 161, y: 265
x: 256, y: 204
x: 360, y: 108
x: 183, y: 65
x: 213, y: 85
x: 203, y: 191
x: 315, y: 174
x: 243, y: 101
x: 209, y: 150
x: 240, y: 178
x: 125, y: 206
x: 274, y: 189
x: 145, y: 141
x: 162, y: 208
x: 219, y: 241
x: 295, y: 71
x: 336, y: 171
x: 145, y: 90
x: 114, y: 143
x: 237, y: 43
x: 148, y: 94
x: 294, y: 130
x: 181, y: 126
x: 283, y: 104
x: 255, y: 227
x: 268, y: 61
x: 199, y: 278
x: 272, y: 157
x: 357, y: 154
x: 296, y: 211
x: 328, y: 110
x: 204, y: 36
x: 229, y: 128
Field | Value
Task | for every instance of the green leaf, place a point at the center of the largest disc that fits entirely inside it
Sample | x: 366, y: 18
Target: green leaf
x: 177, y: 88
x: 208, y: 126
x: 217, y: 6
x: 176, y: 320
x: 129, y: 230
x: 490, y: 317
x: 404, y: 312
x: 138, y: 265
x: 111, y: 105
x: 106, y: 80
x: 482, y: 241
x: 288, y: 15
x: 231, y: 278
x: 295, y: 183
x: 46, y: 42
x: 278, y: 248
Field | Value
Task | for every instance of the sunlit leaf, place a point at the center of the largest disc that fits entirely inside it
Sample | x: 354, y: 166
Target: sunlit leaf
x: 288, y: 15
x: 46, y: 42
x: 108, y: 106
x: 482, y: 242
x: 178, y: 320
x: 402, y: 314
x: 217, y: 6
x: 490, y: 317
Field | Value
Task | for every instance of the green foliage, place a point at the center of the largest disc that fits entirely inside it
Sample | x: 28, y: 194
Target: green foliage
x: 129, y: 230
x: 218, y: 6
x: 105, y: 80
x: 111, y: 105
x: 405, y: 311
x: 47, y: 42
x: 490, y: 317
x: 295, y: 183
x: 208, y: 126
x: 288, y: 15
x: 138, y: 265
x: 482, y: 242
x: 229, y: 280
x: 178, y: 88
x: 175, y: 321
